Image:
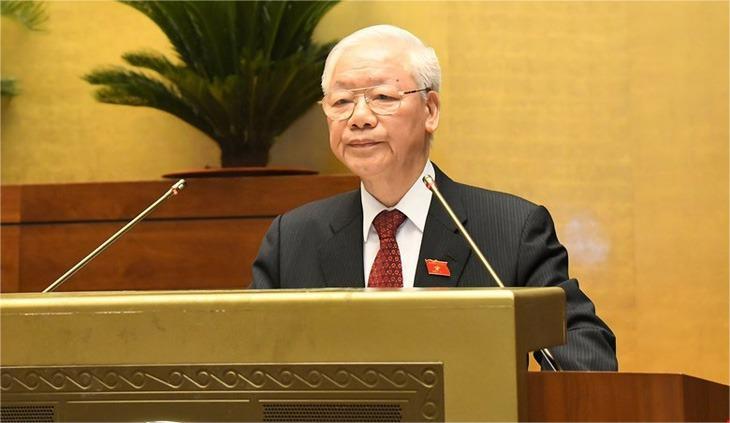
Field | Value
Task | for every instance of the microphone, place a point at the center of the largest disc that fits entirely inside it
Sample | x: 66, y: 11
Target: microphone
x: 431, y: 185
x: 174, y: 190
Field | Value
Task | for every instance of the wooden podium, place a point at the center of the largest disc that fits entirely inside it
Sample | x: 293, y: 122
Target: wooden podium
x: 325, y: 355
x: 318, y: 355
x: 625, y: 397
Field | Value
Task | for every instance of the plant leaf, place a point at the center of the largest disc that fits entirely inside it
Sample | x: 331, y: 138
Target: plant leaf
x: 124, y: 87
x: 31, y: 14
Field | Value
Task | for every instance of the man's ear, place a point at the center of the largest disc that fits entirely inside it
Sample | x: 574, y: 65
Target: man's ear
x: 433, y: 107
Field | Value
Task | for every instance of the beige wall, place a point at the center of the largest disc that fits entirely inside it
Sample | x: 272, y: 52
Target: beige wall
x: 614, y: 115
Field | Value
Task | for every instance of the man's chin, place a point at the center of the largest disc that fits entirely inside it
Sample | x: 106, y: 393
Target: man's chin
x: 365, y: 169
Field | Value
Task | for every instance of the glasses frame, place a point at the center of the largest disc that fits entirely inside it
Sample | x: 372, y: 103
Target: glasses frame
x: 361, y: 92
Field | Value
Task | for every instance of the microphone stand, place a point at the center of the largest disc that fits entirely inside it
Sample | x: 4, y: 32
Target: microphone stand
x: 431, y: 185
x: 174, y: 190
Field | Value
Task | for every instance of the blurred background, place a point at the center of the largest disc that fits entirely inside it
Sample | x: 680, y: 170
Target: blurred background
x: 614, y: 115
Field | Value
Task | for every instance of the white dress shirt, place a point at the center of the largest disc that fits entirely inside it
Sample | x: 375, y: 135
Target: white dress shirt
x: 415, y: 206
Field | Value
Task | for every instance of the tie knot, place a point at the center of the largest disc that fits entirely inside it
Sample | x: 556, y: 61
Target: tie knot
x: 387, y: 222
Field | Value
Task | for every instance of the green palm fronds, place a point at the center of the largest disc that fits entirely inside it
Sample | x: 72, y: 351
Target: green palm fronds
x: 9, y: 87
x: 31, y: 14
x: 244, y: 72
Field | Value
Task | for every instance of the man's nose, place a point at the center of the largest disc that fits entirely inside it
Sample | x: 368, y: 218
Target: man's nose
x: 362, y: 115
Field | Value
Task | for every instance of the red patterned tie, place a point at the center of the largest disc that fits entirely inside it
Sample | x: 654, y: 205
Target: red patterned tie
x: 387, y: 271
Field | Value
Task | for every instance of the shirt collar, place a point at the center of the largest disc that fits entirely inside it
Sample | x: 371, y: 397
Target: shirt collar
x: 414, y: 204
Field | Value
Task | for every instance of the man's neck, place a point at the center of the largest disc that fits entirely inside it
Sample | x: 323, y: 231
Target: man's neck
x: 389, y: 189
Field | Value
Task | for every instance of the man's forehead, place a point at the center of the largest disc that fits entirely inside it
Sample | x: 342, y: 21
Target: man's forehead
x: 365, y: 78
x: 369, y: 64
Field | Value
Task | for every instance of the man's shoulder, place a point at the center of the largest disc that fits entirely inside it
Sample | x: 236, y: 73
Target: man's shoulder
x: 480, y: 198
x: 473, y: 196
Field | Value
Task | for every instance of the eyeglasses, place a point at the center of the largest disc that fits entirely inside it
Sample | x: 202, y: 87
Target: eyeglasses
x: 382, y: 100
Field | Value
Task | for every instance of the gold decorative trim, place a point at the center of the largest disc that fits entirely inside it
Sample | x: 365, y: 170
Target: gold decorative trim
x: 219, y: 377
x: 420, y: 384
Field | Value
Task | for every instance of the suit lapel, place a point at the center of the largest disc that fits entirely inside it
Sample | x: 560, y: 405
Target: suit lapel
x: 341, y: 256
x: 441, y: 239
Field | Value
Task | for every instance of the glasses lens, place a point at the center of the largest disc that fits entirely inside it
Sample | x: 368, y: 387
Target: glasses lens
x: 339, y: 104
x: 383, y: 99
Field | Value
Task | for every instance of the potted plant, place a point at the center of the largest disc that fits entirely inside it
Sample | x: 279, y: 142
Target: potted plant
x: 245, y: 70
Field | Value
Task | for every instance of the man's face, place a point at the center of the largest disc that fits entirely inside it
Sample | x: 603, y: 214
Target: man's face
x: 372, y: 145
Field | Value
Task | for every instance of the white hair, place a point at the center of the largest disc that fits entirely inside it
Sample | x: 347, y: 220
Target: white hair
x: 424, y: 65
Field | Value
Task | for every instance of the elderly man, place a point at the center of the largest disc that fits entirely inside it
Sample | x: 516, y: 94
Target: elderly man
x: 381, y: 99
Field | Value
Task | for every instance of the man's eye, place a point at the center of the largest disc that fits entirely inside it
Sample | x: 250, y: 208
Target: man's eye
x: 342, y: 102
x: 384, y: 97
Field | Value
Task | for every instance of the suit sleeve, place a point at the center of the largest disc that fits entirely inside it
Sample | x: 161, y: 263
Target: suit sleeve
x: 543, y: 261
x: 266, y: 268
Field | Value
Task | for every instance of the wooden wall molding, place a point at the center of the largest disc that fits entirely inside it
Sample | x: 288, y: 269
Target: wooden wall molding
x: 205, y: 238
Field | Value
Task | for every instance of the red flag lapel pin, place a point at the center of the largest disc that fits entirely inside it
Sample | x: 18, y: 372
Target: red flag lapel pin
x: 437, y: 267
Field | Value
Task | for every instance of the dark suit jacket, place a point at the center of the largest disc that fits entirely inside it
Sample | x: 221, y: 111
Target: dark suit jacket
x: 320, y: 245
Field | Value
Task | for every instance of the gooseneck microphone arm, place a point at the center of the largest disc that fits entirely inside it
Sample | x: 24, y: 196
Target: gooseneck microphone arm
x: 174, y: 190
x: 431, y: 185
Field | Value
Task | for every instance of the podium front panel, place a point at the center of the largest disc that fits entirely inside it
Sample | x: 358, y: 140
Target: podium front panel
x: 478, y: 338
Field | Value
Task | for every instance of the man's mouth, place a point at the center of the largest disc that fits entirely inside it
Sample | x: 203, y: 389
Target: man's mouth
x: 362, y: 143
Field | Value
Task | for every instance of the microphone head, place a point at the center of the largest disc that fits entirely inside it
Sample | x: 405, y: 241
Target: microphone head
x: 430, y: 183
x: 179, y: 185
